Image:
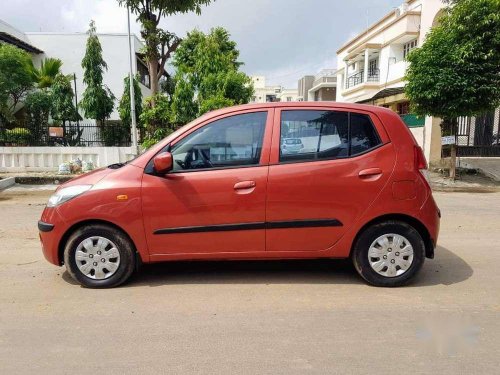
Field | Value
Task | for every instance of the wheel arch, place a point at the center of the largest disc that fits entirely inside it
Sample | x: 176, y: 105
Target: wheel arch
x: 410, y: 220
x: 80, y: 224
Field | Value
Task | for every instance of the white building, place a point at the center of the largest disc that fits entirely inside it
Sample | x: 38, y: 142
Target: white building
x: 372, y: 66
x: 70, y: 49
x: 322, y: 87
x: 277, y: 93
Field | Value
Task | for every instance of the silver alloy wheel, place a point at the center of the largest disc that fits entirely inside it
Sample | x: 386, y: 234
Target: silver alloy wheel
x: 97, y: 258
x: 390, y: 255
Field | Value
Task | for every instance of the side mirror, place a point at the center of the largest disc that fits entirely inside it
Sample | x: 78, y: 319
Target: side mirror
x: 163, y: 162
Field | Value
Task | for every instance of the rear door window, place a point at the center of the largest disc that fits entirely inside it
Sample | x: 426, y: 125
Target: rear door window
x: 307, y: 135
x: 316, y: 135
x: 364, y: 137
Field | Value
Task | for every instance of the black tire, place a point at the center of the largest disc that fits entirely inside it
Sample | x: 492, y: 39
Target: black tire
x: 369, y: 235
x: 123, y: 244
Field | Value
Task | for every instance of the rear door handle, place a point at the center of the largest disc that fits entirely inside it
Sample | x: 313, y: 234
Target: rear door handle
x: 370, y: 172
x: 244, y: 185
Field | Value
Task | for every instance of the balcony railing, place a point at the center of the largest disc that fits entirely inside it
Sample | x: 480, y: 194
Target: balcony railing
x: 355, y: 79
x: 359, y: 77
x: 373, y: 75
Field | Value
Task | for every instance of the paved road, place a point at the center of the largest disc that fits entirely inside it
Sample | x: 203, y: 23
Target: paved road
x: 312, y: 317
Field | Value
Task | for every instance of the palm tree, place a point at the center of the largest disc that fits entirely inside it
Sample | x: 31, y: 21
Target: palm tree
x: 45, y: 76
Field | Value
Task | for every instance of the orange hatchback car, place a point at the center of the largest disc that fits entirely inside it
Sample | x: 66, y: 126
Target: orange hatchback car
x: 264, y: 181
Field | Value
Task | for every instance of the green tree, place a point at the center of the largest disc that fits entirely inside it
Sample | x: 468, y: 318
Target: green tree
x: 38, y: 106
x: 159, y: 44
x: 15, y: 79
x: 97, y: 100
x: 120, y: 132
x: 456, y: 72
x: 63, y: 108
x: 184, y: 106
x: 44, y: 77
x: 156, y: 119
x: 167, y: 86
x: 208, y: 75
x: 124, y: 106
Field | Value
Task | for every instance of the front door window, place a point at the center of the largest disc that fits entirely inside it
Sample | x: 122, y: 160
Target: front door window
x: 230, y: 142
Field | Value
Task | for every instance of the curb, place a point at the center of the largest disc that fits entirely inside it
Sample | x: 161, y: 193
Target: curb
x: 42, y: 180
x: 7, y: 182
x: 465, y: 189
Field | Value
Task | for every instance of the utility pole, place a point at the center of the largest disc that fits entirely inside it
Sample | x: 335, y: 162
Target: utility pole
x: 76, y: 104
x: 135, y: 148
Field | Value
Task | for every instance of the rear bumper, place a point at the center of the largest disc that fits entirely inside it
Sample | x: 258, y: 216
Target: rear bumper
x: 430, y: 216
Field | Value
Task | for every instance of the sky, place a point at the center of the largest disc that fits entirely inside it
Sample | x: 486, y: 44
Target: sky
x: 280, y: 39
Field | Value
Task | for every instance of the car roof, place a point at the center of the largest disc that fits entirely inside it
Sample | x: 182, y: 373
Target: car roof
x: 333, y: 105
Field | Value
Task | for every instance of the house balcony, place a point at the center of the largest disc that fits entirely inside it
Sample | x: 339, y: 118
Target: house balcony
x: 325, y: 76
x: 324, y: 87
x: 359, y: 78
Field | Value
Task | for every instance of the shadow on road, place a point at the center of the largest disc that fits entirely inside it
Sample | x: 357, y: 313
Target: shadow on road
x: 446, y: 269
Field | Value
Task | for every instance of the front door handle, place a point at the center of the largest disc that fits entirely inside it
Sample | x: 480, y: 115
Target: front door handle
x: 244, y: 185
x: 370, y: 172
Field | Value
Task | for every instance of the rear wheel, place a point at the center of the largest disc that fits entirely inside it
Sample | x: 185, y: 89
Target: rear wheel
x: 99, y: 256
x: 389, y: 253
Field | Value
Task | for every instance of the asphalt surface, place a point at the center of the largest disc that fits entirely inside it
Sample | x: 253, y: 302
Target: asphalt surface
x: 276, y: 317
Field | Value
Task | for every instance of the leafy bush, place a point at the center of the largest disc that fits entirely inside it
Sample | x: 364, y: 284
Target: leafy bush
x: 156, y: 119
x: 155, y: 137
x: 17, y: 136
x: 124, y: 106
x: 115, y: 133
x: 38, y: 106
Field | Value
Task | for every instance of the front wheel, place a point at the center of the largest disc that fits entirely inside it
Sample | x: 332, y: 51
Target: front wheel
x: 99, y: 256
x: 389, y: 254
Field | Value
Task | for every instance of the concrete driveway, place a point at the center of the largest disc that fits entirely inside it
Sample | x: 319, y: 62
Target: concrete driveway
x: 293, y: 317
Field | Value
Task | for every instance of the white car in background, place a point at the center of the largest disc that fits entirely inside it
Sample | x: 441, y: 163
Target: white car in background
x: 291, y: 145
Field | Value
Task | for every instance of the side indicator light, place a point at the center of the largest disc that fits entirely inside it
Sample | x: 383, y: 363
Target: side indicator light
x: 122, y: 197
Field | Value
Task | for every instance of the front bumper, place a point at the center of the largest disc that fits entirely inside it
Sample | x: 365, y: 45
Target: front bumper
x: 51, y: 230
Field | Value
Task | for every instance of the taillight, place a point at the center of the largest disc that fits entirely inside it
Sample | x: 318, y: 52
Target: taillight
x: 420, y: 162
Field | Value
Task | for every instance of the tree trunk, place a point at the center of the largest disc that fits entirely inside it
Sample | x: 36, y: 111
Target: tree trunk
x: 453, y: 162
x: 153, y: 77
x: 449, y: 127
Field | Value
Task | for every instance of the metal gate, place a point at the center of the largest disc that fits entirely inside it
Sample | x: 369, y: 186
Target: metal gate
x: 479, y: 136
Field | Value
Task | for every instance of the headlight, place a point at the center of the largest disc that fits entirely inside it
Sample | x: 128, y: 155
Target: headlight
x: 65, y: 194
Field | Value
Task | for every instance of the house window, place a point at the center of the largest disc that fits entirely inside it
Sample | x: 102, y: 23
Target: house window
x: 277, y: 91
x: 403, y: 108
x: 407, y: 47
x: 143, y: 73
x: 372, y: 66
x: 288, y: 98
